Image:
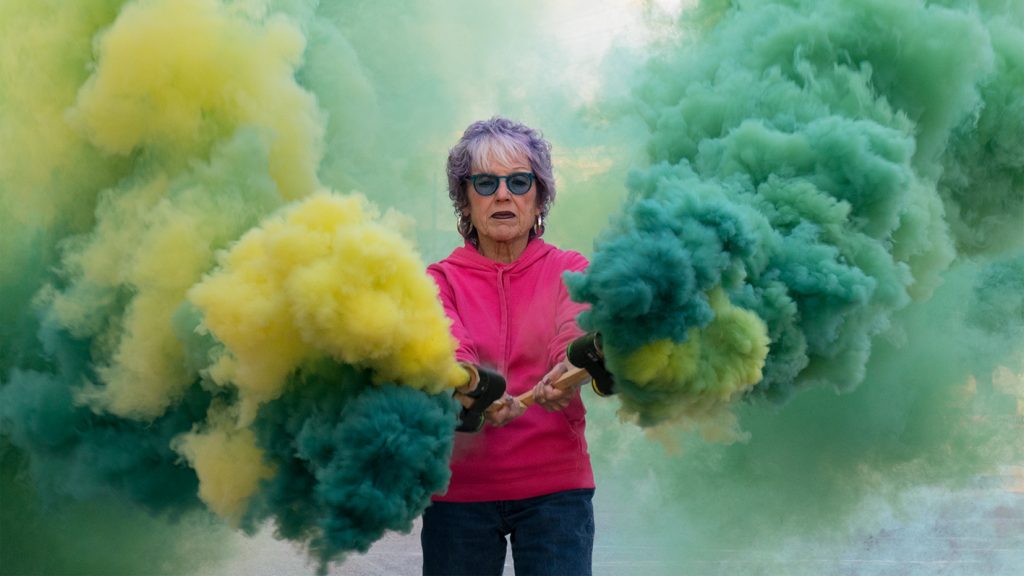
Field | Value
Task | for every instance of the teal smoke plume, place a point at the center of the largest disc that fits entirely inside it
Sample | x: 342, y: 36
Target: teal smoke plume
x: 822, y: 164
x: 351, y: 464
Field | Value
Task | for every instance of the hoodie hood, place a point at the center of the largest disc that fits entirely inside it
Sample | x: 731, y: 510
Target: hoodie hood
x: 467, y: 256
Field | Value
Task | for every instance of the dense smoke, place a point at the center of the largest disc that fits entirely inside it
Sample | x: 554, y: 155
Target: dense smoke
x: 194, y: 323
x: 810, y: 163
x: 206, y: 325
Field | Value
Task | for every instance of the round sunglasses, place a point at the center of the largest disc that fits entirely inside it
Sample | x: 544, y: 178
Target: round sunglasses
x: 487, y: 184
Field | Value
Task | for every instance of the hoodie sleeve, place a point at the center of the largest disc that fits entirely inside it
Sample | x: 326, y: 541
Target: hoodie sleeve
x: 566, y: 311
x: 466, y: 351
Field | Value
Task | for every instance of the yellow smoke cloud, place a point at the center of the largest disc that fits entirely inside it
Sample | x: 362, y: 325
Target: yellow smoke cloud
x: 227, y: 461
x: 697, y: 380
x: 176, y: 76
x: 152, y: 242
x: 49, y: 175
x: 153, y: 247
x: 189, y: 103
x: 326, y: 278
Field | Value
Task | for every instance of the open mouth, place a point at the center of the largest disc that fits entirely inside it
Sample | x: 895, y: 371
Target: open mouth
x: 503, y: 215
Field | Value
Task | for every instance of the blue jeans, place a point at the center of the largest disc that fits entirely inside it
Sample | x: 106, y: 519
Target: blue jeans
x: 551, y: 534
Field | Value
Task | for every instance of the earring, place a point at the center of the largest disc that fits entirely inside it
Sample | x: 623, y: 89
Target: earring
x: 465, y: 225
x: 538, y: 228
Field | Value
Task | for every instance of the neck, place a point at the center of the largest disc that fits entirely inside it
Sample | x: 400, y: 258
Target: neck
x: 504, y: 252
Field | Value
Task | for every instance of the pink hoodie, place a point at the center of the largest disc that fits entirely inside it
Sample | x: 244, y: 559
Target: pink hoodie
x: 516, y: 319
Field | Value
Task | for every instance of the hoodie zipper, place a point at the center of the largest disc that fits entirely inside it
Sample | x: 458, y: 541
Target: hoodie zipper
x: 503, y: 332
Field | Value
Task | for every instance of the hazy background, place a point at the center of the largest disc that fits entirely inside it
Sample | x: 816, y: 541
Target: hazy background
x: 917, y: 470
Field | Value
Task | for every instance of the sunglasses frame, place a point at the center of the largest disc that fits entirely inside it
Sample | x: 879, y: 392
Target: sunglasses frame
x: 472, y: 178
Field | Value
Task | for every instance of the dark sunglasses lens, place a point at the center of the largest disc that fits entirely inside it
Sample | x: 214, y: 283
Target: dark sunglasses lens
x: 519, y: 183
x: 485, y: 185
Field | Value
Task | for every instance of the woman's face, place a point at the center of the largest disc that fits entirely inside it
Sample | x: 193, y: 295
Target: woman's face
x: 503, y: 217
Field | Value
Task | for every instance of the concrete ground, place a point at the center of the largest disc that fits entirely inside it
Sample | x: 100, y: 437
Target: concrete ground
x: 978, y: 531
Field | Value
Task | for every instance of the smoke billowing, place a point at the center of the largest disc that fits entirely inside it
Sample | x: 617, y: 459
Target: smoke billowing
x: 199, y: 328
x: 834, y: 170
x: 194, y: 323
x: 810, y: 165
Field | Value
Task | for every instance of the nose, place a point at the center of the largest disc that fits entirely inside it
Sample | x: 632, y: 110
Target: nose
x: 503, y: 193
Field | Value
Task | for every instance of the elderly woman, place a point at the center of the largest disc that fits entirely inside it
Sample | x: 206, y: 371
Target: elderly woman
x: 527, y: 474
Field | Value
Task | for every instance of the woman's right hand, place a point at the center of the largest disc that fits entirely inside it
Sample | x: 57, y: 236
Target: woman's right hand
x: 503, y: 411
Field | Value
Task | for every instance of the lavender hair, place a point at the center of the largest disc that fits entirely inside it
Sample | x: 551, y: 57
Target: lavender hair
x: 498, y: 139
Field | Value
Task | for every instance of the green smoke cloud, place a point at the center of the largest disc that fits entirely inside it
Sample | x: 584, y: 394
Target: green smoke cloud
x: 811, y: 160
x: 939, y: 405
x: 800, y: 157
x: 351, y: 464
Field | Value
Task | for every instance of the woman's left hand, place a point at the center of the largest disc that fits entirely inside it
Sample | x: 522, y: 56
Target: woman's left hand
x: 504, y: 410
x: 549, y: 397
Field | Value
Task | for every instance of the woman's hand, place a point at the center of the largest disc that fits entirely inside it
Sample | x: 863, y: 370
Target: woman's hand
x: 551, y: 398
x: 504, y: 411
